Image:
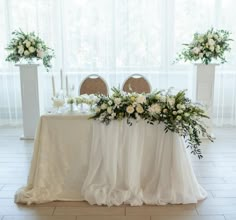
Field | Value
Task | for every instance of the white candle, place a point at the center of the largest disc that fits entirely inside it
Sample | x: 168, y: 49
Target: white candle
x: 61, y: 79
x: 53, y: 86
x: 67, y: 86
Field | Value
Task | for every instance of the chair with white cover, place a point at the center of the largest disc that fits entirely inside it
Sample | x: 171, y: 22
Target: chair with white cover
x: 93, y: 84
x: 136, y: 83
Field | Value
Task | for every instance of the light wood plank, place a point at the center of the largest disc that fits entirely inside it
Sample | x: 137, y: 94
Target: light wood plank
x: 213, y: 217
x: 89, y: 211
x: 161, y: 210
x: 39, y: 218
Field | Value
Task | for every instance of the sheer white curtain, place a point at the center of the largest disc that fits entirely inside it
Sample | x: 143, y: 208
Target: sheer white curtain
x: 116, y: 38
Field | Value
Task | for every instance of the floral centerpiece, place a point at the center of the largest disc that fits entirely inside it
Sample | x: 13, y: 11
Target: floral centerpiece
x: 206, y: 47
x: 28, y: 46
x: 177, y: 112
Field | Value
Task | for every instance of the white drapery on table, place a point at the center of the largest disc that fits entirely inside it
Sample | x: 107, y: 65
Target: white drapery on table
x: 78, y: 159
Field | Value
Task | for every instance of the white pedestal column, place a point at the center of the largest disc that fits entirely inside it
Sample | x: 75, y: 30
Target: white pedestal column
x: 30, y: 96
x: 205, y: 80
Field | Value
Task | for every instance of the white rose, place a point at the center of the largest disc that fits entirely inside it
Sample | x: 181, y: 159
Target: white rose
x: 211, y: 42
x: 196, y: 50
x: 179, y: 106
x: 151, y: 109
x: 104, y: 106
x: 109, y: 110
x: 174, y: 112
x: 117, y: 101
x: 31, y: 49
x: 130, y: 109
x: 27, y: 43
x: 200, y: 55
x: 186, y: 114
x: 180, y: 111
x: 212, y: 48
x: 141, y: 99
x: 178, y: 117
x: 183, y: 106
x: 139, y: 109
x: 218, y: 48
x: 113, y: 114
x: 165, y: 110
x: 40, y: 53
x: 26, y: 53
x: 20, y: 49
x: 109, y: 102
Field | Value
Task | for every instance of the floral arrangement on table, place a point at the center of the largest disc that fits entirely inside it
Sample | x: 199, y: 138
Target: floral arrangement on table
x: 177, y: 112
x: 206, y: 47
x: 28, y: 46
x: 86, y: 99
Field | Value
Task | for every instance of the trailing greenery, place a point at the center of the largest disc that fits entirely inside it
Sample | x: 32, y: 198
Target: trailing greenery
x: 206, y: 47
x: 28, y: 46
x: 177, y: 112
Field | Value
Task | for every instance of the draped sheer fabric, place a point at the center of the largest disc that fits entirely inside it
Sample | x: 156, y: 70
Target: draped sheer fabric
x: 139, y: 164
x: 78, y: 159
x: 117, y: 38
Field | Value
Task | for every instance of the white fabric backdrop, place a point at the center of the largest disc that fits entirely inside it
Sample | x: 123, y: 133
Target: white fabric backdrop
x: 116, y: 38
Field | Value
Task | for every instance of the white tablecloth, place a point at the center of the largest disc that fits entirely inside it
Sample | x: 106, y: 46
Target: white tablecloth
x: 78, y: 159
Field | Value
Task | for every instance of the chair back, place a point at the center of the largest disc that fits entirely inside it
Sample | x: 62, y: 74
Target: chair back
x: 136, y: 83
x: 93, y: 84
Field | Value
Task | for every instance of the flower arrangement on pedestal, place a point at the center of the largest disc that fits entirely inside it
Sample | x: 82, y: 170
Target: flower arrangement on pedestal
x: 177, y: 112
x: 28, y: 46
x: 206, y: 47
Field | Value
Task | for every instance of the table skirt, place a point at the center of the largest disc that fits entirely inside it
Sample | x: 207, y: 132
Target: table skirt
x: 77, y: 159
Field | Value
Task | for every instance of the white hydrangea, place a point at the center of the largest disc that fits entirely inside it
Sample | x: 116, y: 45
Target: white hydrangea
x: 141, y: 99
x: 154, y: 109
x: 117, y: 101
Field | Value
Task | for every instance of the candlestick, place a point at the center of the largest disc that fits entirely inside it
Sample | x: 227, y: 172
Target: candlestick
x: 67, y: 86
x: 53, y: 86
x: 61, y: 73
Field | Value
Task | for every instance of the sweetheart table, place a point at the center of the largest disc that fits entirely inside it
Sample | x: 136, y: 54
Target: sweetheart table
x: 77, y: 159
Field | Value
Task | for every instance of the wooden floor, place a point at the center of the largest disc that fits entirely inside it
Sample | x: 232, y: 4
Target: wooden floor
x: 216, y: 173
